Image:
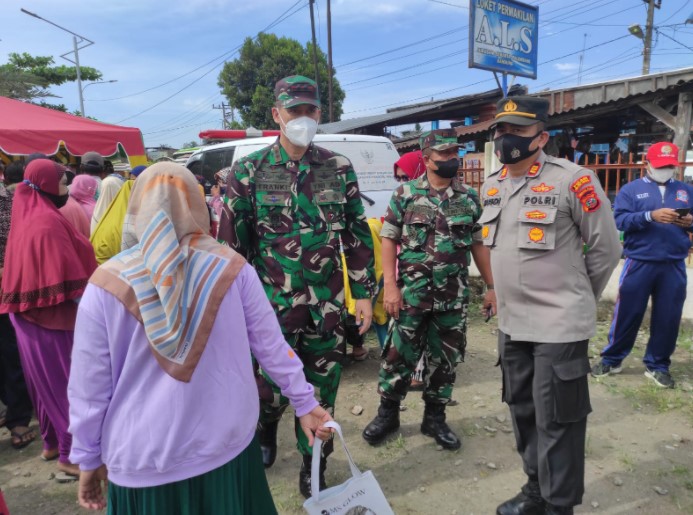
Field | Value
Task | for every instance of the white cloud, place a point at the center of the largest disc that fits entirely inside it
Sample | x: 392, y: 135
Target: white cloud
x: 566, y: 67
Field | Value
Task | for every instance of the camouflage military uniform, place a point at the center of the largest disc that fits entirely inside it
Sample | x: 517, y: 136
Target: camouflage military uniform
x: 287, y: 218
x: 435, y: 230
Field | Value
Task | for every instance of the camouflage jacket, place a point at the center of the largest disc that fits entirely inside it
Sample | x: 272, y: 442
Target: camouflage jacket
x: 434, y: 230
x: 287, y: 218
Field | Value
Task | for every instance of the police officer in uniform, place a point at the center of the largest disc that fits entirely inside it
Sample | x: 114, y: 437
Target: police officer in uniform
x: 434, y: 220
x: 287, y: 208
x: 554, y: 245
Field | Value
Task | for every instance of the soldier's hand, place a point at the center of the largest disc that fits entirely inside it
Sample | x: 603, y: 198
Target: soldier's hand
x: 363, y: 314
x: 685, y: 221
x: 392, y: 300
x: 665, y: 215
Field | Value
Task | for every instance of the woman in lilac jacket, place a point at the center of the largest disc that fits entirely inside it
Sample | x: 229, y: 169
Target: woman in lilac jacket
x: 163, y: 400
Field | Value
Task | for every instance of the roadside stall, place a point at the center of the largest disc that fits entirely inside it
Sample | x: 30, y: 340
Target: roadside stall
x: 26, y: 129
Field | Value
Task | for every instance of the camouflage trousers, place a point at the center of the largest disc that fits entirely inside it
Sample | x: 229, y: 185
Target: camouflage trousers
x: 441, y: 336
x: 322, y: 355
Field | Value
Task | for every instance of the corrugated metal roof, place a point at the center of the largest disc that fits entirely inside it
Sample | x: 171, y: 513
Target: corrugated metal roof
x: 475, y: 128
x: 364, y: 121
x: 402, y: 114
x: 570, y: 99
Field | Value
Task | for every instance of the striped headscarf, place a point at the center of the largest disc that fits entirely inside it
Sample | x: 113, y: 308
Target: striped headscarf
x: 174, y: 276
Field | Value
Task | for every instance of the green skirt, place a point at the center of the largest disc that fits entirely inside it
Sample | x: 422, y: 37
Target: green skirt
x: 237, y: 488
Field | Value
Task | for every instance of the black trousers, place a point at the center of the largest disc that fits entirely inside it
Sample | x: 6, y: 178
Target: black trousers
x: 13, y: 391
x: 545, y: 386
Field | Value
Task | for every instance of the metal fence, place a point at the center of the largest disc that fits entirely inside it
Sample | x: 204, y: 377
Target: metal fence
x: 611, y: 175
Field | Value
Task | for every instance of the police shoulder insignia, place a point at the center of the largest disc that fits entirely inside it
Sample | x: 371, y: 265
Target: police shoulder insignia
x: 503, y: 174
x: 590, y: 202
x: 485, y: 231
x: 534, y: 170
x: 542, y: 188
x: 582, y: 181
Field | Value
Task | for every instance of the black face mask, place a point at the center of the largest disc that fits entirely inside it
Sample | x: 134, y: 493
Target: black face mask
x: 511, y: 148
x: 447, y: 169
x: 58, y: 200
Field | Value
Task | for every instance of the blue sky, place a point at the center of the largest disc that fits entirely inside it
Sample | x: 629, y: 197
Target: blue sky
x: 166, y: 55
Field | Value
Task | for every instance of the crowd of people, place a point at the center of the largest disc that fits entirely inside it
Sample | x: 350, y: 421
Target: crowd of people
x: 128, y: 320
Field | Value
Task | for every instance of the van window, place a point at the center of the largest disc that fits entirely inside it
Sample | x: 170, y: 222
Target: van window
x: 215, y: 160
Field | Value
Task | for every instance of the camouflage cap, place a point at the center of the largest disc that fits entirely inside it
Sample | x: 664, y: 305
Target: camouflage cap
x: 437, y: 141
x: 522, y: 110
x: 296, y: 90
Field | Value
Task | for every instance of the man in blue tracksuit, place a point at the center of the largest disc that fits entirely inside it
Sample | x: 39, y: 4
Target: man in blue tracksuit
x: 653, y: 214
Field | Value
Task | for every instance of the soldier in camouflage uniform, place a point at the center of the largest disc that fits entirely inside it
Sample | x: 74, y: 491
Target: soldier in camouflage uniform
x: 434, y: 219
x: 288, y: 206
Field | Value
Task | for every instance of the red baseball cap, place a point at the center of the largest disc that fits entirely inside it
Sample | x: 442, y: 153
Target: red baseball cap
x: 663, y: 154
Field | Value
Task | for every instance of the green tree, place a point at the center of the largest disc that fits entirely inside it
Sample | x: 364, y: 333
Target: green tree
x: 248, y: 81
x: 27, y: 78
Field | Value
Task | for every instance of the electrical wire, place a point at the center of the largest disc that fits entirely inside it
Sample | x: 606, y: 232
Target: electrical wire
x: 273, y: 24
x: 482, y: 81
x: 674, y: 40
x: 222, y: 56
x: 424, y: 63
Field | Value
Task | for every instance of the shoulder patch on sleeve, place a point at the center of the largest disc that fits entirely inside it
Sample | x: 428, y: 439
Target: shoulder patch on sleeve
x: 580, y: 183
x: 590, y: 202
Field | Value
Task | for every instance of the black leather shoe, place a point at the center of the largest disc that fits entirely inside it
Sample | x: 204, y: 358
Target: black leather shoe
x: 558, y: 510
x: 386, y: 422
x: 267, y: 436
x: 527, y: 502
x: 434, y: 425
x: 304, y: 476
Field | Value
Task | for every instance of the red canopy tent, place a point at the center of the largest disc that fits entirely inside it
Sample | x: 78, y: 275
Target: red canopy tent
x: 27, y: 128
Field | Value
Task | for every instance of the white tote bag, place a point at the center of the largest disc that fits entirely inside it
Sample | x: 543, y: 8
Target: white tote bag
x: 360, y: 495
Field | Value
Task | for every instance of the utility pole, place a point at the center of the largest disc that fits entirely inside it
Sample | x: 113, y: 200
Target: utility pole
x: 582, y: 58
x: 78, y: 43
x: 329, y: 59
x: 647, y: 53
x: 224, y: 107
x: 315, y: 46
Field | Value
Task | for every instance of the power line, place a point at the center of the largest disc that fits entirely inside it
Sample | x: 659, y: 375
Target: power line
x: 278, y: 20
x: 181, y: 127
x: 430, y: 95
x: 674, y: 40
x: 222, y: 56
x: 407, y: 68
x: 446, y: 3
x: 417, y: 65
x: 411, y: 65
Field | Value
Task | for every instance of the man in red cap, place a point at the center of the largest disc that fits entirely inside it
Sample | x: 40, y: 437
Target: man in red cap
x: 654, y: 215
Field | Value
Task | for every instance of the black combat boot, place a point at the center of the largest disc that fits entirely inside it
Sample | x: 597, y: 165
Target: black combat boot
x: 527, y: 502
x: 558, y: 510
x: 434, y: 425
x: 386, y: 422
x: 304, y: 476
x: 267, y: 436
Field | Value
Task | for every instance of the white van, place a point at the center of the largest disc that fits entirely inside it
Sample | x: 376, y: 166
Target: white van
x: 373, y: 158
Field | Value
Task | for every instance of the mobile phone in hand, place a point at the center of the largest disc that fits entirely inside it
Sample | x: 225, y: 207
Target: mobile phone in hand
x: 682, y: 211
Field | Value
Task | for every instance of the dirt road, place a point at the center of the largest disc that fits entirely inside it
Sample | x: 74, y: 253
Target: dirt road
x: 639, y: 448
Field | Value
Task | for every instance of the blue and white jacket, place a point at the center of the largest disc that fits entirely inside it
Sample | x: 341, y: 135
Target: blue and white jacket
x: 643, y: 238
